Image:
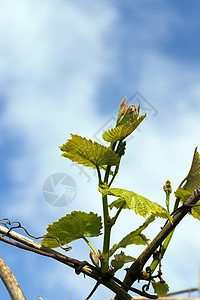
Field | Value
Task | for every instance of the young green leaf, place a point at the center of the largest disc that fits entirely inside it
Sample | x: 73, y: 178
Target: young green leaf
x: 127, y: 113
x: 122, y: 131
x: 192, y: 182
x: 118, y: 203
x: 88, y: 153
x: 134, y: 237
x: 184, y: 195
x: 128, y: 259
x: 195, y: 211
x: 128, y: 120
x: 160, y: 288
x: 120, y: 260
x: 139, y: 204
x: 193, y: 177
x: 72, y: 227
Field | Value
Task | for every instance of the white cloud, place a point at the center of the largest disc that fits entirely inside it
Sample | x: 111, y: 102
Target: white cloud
x: 51, y: 71
x: 52, y: 59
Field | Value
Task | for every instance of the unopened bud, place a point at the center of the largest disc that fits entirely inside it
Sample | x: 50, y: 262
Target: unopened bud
x: 167, y: 187
x: 94, y: 258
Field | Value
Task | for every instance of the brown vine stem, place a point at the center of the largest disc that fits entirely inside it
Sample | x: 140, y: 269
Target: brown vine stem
x: 10, y: 282
x: 28, y: 244
x: 135, y: 270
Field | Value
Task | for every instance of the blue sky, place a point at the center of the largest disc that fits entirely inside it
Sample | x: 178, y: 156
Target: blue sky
x: 64, y: 68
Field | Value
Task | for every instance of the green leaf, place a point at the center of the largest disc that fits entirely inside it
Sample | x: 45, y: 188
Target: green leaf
x: 72, y: 227
x: 122, y: 131
x: 88, y: 153
x: 134, y: 237
x: 160, y: 288
x: 192, y: 182
x: 193, y: 177
x: 120, y: 260
x: 195, y: 211
x: 128, y: 259
x: 184, y: 195
x: 128, y: 120
x: 117, y: 204
x: 139, y: 204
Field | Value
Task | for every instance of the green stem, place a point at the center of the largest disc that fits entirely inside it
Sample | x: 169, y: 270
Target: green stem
x: 105, y: 208
x: 117, y: 213
x: 106, y: 244
x: 155, y: 262
x: 99, y: 175
x: 176, y: 204
x: 107, y: 230
x: 114, y: 175
x: 93, y: 249
x: 182, y: 182
x: 112, y: 146
x: 107, y: 223
x: 178, y: 199
x: 106, y: 214
x: 165, y: 245
x: 167, y: 200
x: 105, y: 253
x: 117, y: 167
x: 107, y: 173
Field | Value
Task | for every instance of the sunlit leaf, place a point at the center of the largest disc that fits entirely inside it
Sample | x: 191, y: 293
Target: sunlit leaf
x: 118, y: 203
x: 128, y: 120
x: 120, y: 259
x: 193, y: 177
x: 190, y: 184
x: 195, y: 211
x: 72, y: 227
x: 160, y: 288
x: 128, y: 259
x: 88, y: 153
x: 127, y: 113
x: 139, y: 204
x: 184, y: 195
x: 122, y: 131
